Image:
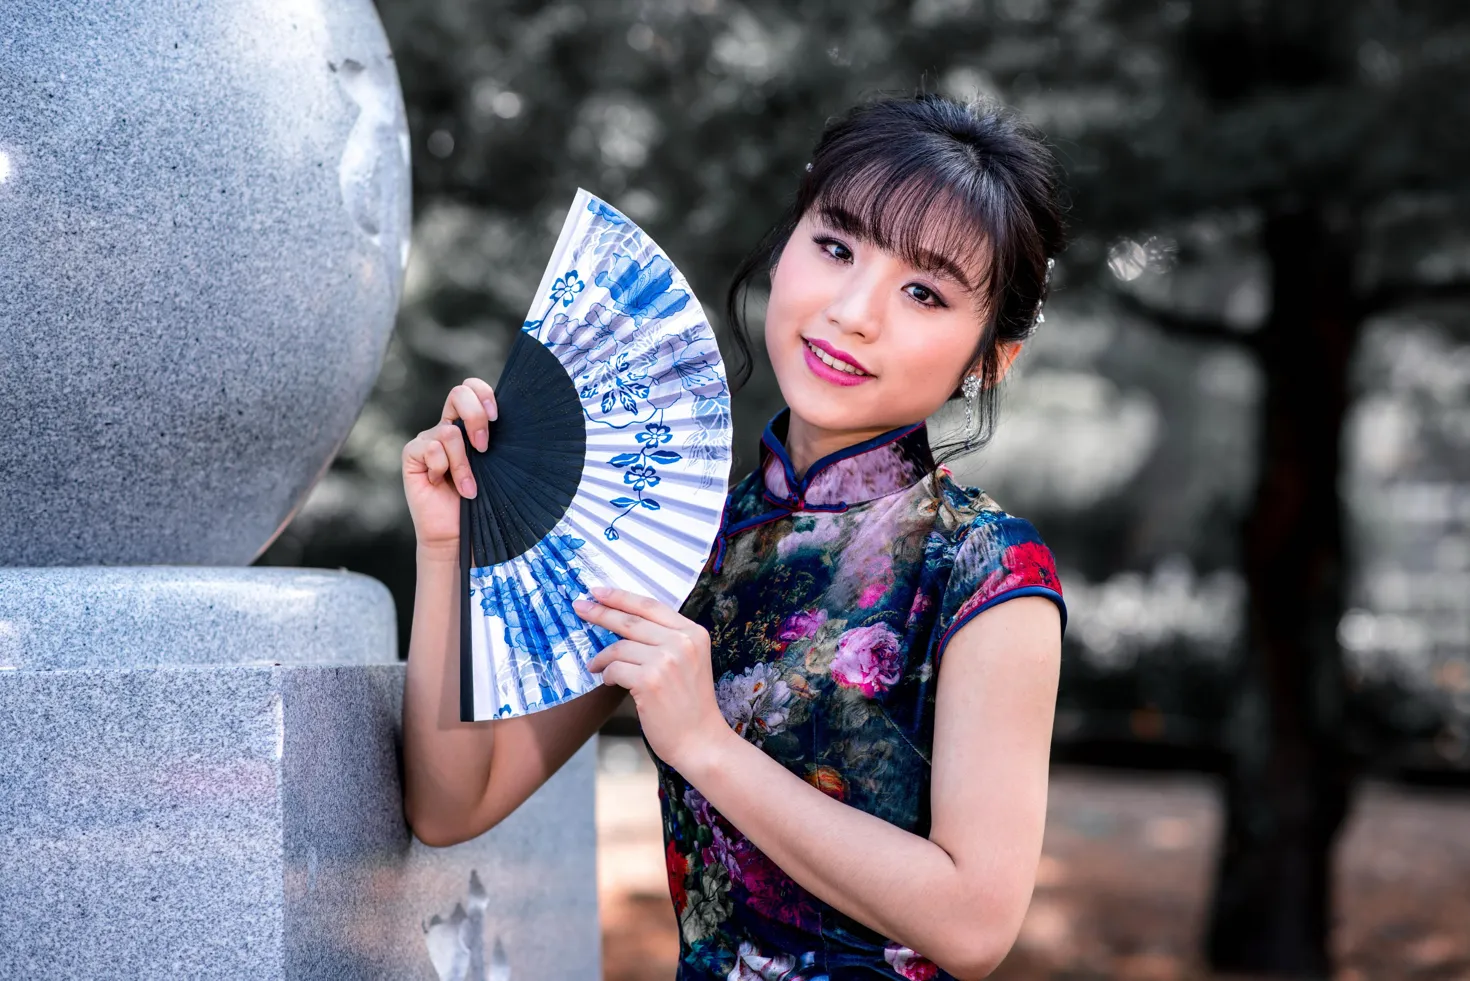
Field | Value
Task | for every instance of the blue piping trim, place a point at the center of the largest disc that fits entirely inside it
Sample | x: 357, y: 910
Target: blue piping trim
x: 1046, y: 591
x: 768, y: 437
x: 785, y: 507
x: 797, y: 504
x: 723, y: 540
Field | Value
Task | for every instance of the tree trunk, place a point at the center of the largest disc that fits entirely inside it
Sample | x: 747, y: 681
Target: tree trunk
x: 1288, y: 789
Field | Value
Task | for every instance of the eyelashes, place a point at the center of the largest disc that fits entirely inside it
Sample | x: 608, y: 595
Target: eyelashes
x: 822, y: 241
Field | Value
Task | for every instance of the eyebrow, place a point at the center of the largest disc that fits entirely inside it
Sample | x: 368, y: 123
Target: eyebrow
x: 929, y: 261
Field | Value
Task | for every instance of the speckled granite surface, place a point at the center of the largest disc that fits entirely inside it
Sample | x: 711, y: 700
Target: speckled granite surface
x: 200, y: 814
x: 56, y: 618
x: 204, y: 222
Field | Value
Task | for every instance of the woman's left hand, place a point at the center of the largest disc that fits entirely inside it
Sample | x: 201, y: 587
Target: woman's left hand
x: 664, y: 661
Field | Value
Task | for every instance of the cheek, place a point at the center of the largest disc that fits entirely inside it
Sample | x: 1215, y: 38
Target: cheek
x: 776, y: 325
x: 785, y: 308
x: 930, y: 362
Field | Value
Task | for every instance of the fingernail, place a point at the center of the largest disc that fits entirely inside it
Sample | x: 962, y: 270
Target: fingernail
x: 598, y: 591
x: 468, y: 486
x: 490, y: 409
x: 482, y: 440
x: 580, y: 604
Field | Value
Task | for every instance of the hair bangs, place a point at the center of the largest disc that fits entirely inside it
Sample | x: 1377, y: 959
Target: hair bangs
x: 933, y: 221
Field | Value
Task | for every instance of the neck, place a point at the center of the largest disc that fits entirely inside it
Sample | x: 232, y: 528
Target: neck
x: 806, y: 443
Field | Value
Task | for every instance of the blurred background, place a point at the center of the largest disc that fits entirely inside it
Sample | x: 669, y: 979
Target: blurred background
x: 1244, y: 428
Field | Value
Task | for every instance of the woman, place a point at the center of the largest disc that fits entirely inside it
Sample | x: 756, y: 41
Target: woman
x: 851, y: 713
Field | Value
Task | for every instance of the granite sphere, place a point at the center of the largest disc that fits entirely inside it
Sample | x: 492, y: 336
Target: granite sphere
x: 204, y: 223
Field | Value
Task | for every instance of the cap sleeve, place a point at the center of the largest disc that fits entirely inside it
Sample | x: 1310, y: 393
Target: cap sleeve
x: 1000, y: 559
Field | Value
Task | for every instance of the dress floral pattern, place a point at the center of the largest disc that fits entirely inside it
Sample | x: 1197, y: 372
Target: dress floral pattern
x: 829, y: 601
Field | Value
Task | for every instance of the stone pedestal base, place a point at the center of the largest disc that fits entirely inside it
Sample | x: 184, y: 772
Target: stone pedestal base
x: 202, y: 781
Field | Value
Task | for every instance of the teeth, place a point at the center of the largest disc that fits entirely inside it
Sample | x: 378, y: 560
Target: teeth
x: 834, y: 362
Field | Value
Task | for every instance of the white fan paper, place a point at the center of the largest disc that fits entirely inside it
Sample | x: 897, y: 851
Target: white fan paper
x: 608, y: 465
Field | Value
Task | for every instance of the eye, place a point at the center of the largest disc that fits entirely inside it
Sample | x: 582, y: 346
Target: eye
x: 824, y: 240
x: 938, y: 303
x: 927, y: 298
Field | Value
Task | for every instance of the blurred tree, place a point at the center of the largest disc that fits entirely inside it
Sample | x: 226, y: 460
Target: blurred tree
x: 1336, y: 131
x: 1262, y: 178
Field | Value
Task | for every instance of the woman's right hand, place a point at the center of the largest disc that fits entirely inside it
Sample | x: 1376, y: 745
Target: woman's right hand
x: 436, y: 468
x: 462, y: 779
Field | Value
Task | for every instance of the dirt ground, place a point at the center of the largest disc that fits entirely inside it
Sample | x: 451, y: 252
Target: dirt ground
x: 1123, y: 880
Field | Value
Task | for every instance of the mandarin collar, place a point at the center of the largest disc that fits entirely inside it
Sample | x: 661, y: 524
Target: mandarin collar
x: 862, y: 472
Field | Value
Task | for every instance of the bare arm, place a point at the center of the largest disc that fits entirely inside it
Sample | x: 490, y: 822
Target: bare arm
x: 462, y: 778
x: 959, y: 896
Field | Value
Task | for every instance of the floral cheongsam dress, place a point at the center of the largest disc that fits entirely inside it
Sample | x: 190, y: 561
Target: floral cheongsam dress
x: 829, y: 601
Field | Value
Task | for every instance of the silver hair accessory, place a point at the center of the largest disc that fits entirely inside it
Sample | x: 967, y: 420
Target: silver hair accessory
x: 971, y: 391
x: 971, y: 387
x: 1040, y: 317
x: 809, y: 167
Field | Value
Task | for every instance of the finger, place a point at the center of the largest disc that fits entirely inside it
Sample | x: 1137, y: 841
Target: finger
x: 621, y: 650
x: 413, y: 455
x: 624, y: 624
x: 486, y: 395
x: 436, y: 461
x: 622, y: 674
x: 464, y: 404
x: 450, y: 437
x: 640, y: 605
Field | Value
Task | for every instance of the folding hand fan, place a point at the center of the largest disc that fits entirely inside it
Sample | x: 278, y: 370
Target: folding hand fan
x: 607, y: 465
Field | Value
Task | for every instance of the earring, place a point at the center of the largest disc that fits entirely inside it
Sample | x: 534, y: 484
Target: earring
x: 971, y: 391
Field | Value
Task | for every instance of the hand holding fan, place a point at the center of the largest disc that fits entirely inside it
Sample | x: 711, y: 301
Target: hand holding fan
x: 608, y: 465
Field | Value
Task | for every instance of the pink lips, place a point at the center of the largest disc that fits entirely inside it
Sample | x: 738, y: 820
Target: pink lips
x: 836, y: 353
x: 826, y: 372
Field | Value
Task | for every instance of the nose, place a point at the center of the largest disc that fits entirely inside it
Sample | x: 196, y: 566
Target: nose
x: 857, y: 307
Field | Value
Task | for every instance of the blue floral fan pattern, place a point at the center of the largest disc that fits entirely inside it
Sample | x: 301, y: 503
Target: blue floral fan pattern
x: 634, y: 342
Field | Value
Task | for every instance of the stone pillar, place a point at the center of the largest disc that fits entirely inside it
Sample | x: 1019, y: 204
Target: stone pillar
x: 204, y: 224
x: 202, y: 781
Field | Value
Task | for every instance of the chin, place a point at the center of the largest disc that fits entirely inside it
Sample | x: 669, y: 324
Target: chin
x: 835, y: 409
x: 822, y: 404
x: 826, y: 416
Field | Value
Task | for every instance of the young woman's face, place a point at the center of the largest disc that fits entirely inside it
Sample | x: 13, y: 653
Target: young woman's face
x: 909, y: 333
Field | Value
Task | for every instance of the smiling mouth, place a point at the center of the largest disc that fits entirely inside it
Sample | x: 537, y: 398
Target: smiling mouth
x: 836, y: 363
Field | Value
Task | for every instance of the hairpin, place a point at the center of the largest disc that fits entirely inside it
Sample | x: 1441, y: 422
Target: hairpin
x: 1040, y: 317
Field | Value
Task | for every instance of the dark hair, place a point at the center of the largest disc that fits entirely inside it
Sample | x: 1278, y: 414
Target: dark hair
x: 884, y: 168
